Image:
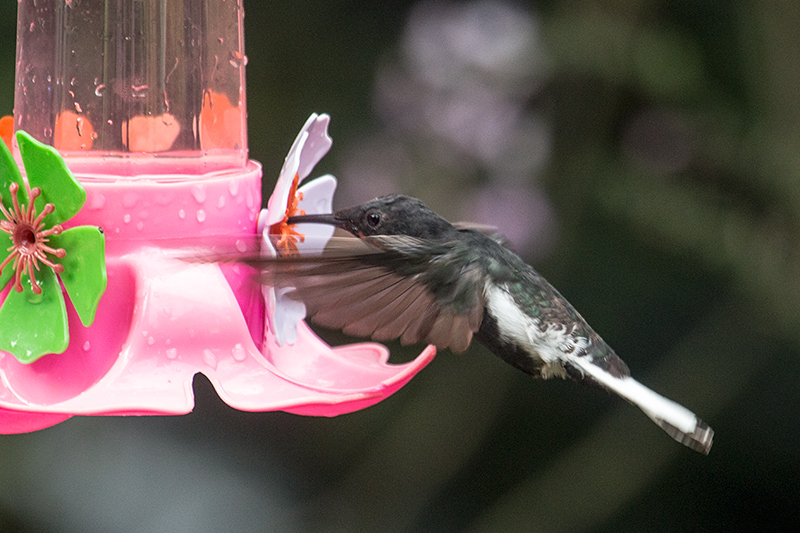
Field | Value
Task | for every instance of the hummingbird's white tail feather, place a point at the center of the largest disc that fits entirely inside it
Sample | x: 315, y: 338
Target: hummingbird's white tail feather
x: 680, y: 423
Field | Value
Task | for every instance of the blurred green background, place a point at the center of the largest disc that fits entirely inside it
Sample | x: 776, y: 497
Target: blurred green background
x: 643, y: 155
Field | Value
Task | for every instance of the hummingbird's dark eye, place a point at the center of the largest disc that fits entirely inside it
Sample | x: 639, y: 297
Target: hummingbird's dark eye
x: 373, y: 219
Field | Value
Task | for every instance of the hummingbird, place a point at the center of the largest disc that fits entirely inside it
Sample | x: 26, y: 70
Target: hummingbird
x: 409, y: 274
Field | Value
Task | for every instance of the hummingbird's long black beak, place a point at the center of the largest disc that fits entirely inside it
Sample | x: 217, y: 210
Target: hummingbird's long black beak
x: 318, y: 219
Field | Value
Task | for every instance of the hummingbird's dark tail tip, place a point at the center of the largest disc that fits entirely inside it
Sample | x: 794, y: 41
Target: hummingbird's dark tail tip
x: 699, y: 440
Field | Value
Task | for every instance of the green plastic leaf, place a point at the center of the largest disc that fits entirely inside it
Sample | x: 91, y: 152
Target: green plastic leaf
x: 8, y: 270
x: 45, y: 168
x: 84, y: 275
x: 34, y: 324
x: 9, y: 173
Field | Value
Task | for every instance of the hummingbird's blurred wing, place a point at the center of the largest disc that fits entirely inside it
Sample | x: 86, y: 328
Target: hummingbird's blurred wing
x: 485, y: 229
x: 368, y: 288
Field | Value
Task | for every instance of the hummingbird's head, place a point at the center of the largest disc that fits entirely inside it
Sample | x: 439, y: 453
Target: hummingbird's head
x: 386, y: 215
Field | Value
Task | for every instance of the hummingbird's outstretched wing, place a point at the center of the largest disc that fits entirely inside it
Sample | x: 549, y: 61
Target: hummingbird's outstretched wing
x: 484, y: 229
x: 367, y: 288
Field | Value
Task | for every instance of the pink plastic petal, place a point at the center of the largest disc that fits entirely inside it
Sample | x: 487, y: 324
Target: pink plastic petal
x: 175, y: 332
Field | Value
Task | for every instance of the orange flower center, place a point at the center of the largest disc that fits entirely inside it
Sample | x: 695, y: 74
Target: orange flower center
x: 288, y: 237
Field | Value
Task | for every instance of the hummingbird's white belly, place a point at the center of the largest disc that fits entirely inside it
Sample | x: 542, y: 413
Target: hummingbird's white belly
x: 553, y: 344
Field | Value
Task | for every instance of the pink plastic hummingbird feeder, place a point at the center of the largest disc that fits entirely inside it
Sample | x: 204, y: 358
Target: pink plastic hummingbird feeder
x: 145, y: 103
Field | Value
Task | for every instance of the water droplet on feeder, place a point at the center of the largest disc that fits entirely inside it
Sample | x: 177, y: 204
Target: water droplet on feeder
x: 239, y: 353
x: 35, y: 298
x: 237, y: 59
x: 199, y: 194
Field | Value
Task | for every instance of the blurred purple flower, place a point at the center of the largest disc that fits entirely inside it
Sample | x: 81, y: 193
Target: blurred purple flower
x: 460, y: 128
x: 522, y: 215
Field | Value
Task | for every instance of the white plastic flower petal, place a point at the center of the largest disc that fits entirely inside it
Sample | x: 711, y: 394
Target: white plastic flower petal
x: 317, y: 199
x: 284, y: 312
x: 311, y: 144
x: 309, y: 147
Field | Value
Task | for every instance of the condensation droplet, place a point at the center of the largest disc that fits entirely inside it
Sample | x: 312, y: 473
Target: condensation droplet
x: 126, y: 218
x: 140, y: 225
x: 201, y: 215
x: 87, y: 346
x: 181, y: 214
x: 239, y: 353
x: 172, y: 353
x: 237, y: 59
x: 233, y: 187
x: 241, y: 246
x: 32, y: 296
x: 199, y: 194
x: 151, y: 341
x: 99, y: 91
x: 221, y: 202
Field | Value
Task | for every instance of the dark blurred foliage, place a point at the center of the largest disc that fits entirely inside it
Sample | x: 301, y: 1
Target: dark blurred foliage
x: 644, y: 155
